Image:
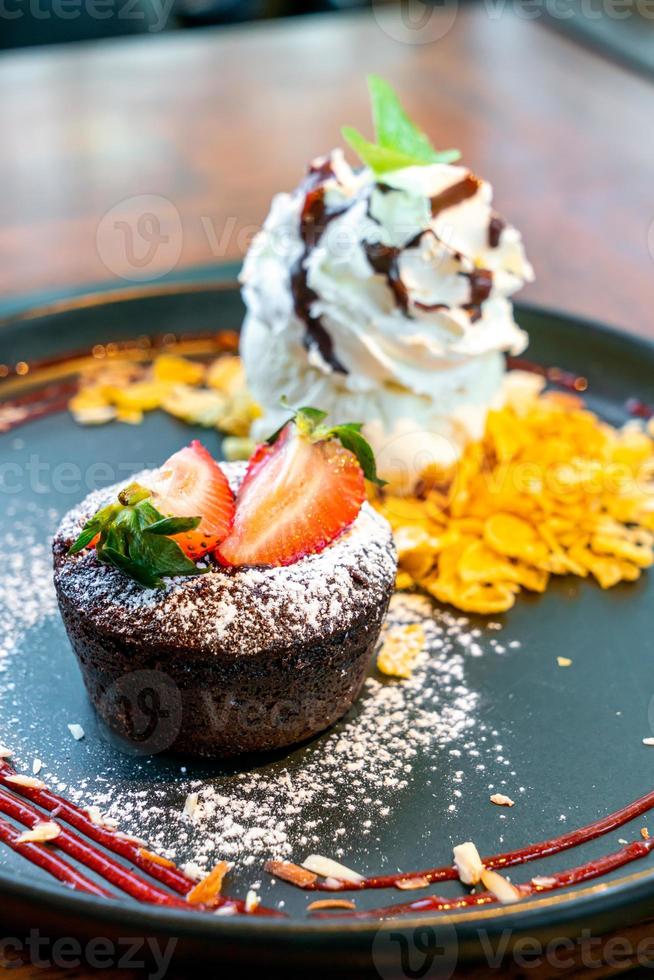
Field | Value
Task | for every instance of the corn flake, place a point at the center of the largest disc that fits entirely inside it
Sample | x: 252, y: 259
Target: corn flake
x: 549, y: 490
x: 400, y: 649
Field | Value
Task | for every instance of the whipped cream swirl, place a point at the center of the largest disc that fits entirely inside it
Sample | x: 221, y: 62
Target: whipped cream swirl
x: 385, y: 302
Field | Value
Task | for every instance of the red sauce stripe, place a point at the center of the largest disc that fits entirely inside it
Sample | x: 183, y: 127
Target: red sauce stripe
x: 80, y: 820
x: 511, y: 858
x: 91, y: 857
x: 94, y: 858
x: 562, y: 879
x: 51, y: 863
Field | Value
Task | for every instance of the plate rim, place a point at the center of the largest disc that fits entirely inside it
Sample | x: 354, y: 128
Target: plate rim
x: 596, y: 896
x: 108, y: 295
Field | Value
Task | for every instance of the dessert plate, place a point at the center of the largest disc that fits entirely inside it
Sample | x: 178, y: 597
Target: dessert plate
x: 406, y: 775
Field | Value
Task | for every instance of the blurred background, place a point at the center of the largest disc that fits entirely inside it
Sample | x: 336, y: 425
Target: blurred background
x: 621, y: 28
x: 144, y: 139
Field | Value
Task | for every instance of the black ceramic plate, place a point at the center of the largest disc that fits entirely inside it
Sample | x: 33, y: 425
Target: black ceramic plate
x: 565, y: 743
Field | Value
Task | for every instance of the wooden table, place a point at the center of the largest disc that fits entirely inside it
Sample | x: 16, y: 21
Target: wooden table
x: 217, y: 121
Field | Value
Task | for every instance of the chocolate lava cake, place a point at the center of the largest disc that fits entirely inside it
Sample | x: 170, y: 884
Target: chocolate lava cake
x: 232, y: 661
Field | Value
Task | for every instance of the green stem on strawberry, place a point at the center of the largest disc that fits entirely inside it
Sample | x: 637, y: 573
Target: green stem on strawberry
x: 303, y: 488
x: 134, y: 537
x: 309, y: 422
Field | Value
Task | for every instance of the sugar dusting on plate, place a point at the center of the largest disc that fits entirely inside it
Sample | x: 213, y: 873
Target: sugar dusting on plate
x: 359, y: 774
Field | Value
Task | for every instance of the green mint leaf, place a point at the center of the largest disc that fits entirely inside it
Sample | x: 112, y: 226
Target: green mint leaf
x: 173, y: 525
x: 350, y: 437
x: 381, y: 160
x: 399, y: 142
x: 395, y: 131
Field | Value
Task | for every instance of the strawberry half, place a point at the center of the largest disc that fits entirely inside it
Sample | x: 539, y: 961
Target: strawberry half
x: 192, y: 482
x: 299, y: 493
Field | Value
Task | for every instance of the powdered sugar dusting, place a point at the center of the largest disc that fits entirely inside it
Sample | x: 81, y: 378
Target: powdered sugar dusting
x: 363, y: 767
x: 240, y: 611
x: 27, y: 597
x: 336, y: 794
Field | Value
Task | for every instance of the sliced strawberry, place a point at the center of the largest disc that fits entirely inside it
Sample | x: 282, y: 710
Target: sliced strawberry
x: 192, y: 484
x: 298, y: 495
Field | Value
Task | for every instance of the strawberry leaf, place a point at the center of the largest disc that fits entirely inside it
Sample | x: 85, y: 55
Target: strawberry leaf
x: 173, y: 525
x: 309, y: 422
x: 135, y: 538
x: 350, y: 437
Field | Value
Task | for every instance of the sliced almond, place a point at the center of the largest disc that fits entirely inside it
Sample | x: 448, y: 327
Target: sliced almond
x: 94, y: 814
x: 564, y: 661
x: 290, y: 872
x: 334, y: 884
x: 648, y: 741
x: 190, y: 805
x: 408, y: 884
x: 30, y: 781
x: 330, y: 903
x: 644, y: 833
x: 97, y: 817
x: 252, y: 901
x: 37, y: 765
x: 499, y: 799
x: 121, y: 835
x: 467, y: 863
x: 502, y: 889
x: 156, y: 858
x: 327, y: 868
x: 76, y: 731
x: 541, y: 881
x: 210, y: 887
x: 45, y: 831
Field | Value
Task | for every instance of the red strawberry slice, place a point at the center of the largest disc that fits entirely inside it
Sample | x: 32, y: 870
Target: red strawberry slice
x: 192, y: 484
x: 298, y: 495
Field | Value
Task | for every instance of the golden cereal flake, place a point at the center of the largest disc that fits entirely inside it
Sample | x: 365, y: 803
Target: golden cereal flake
x: 400, y: 649
x: 178, y: 370
x: 549, y: 490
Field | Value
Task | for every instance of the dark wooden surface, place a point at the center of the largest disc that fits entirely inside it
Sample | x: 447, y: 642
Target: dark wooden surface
x: 216, y: 122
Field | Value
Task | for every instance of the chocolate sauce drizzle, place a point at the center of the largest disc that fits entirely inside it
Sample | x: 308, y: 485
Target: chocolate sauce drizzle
x: 455, y: 194
x: 496, y: 226
x: 314, y: 219
x: 481, y: 284
x: 384, y: 259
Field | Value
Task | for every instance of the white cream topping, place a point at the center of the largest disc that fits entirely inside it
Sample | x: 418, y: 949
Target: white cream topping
x: 421, y: 379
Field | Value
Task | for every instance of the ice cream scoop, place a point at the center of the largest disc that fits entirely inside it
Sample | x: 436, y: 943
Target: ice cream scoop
x: 385, y: 297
